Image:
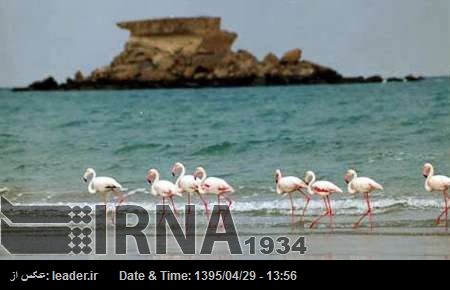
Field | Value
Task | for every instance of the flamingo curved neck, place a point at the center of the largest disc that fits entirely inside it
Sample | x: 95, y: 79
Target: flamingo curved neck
x: 204, y: 175
x: 313, y: 179
x: 277, y: 187
x: 427, y: 182
x: 91, y: 188
x: 350, y: 184
x: 183, y: 172
x: 155, y: 181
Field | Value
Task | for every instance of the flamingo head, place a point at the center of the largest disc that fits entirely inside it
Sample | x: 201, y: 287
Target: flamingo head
x: 309, y: 176
x: 151, y: 175
x: 175, y: 168
x: 349, y: 176
x: 199, y: 172
x: 88, y: 173
x: 277, y: 175
x: 427, y: 169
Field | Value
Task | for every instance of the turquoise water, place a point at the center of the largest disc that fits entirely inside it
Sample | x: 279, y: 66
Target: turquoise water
x: 384, y: 131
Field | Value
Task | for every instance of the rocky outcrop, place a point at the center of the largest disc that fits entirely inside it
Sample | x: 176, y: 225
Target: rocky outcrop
x: 394, y: 80
x: 194, y: 52
x: 374, y: 79
x: 46, y: 84
x: 291, y: 56
x: 413, y: 78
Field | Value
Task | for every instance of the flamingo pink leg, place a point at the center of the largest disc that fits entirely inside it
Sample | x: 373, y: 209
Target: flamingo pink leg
x: 326, y: 213
x: 366, y: 213
x: 164, y: 203
x: 174, y: 207
x: 218, y: 201
x: 204, y: 203
x: 330, y: 211
x: 307, y: 200
x: 292, y: 204
x: 370, y: 210
x: 120, y: 200
x: 292, y: 212
x: 189, y: 202
x: 444, y: 212
x: 230, y: 201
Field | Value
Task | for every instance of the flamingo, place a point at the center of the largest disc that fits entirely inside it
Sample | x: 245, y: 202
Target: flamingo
x: 323, y: 189
x: 214, y: 185
x: 103, y: 185
x: 437, y: 183
x: 365, y: 186
x: 289, y: 185
x: 187, y: 183
x: 163, y: 188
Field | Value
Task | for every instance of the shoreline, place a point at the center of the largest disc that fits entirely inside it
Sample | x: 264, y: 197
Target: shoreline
x: 50, y: 84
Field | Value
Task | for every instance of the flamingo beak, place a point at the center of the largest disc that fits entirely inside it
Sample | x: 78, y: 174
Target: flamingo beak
x: 149, y: 180
x: 425, y: 172
x: 84, y: 179
x: 173, y: 174
x: 346, y: 179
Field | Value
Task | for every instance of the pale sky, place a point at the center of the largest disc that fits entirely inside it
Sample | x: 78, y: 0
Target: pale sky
x: 356, y: 37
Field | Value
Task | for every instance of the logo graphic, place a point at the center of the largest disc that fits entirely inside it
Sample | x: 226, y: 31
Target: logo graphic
x: 63, y: 230
x: 45, y: 230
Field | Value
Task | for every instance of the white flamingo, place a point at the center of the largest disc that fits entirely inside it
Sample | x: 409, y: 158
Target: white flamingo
x: 214, y: 185
x: 437, y: 183
x: 187, y: 183
x: 289, y: 185
x: 162, y: 188
x: 365, y: 186
x: 323, y: 189
x: 103, y: 186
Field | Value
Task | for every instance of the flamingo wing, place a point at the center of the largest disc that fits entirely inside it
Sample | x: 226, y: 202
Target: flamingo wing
x: 439, y: 183
x: 365, y: 184
x: 166, y: 188
x: 291, y: 184
x: 325, y: 187
x: 188, y: 184
x: 217, y: 185
x: 103, y: 184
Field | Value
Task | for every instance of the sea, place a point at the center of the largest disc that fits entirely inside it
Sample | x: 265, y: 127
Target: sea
x: 384, y: 131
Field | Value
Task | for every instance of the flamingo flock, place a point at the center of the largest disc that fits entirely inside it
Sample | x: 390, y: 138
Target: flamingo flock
x: 200, y: 184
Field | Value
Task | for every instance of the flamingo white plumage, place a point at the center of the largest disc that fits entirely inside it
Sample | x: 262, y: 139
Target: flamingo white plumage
x: 214, y: 185
x: 163, y: 188
x: 289, y: 185
x: 365, y: 186
x: 439, y: 183
x: 323, y: 189
x: 103, y: 186
x: 187, y: 184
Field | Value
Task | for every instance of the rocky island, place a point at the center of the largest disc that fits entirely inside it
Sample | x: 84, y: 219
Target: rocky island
x: 196, y: 52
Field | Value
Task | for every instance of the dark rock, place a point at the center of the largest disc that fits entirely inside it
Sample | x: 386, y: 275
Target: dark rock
x: 44, y: 85
x: 394, y: 80
x: 353, y: 80
x: 374, y: 79
x: 412, y: 78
